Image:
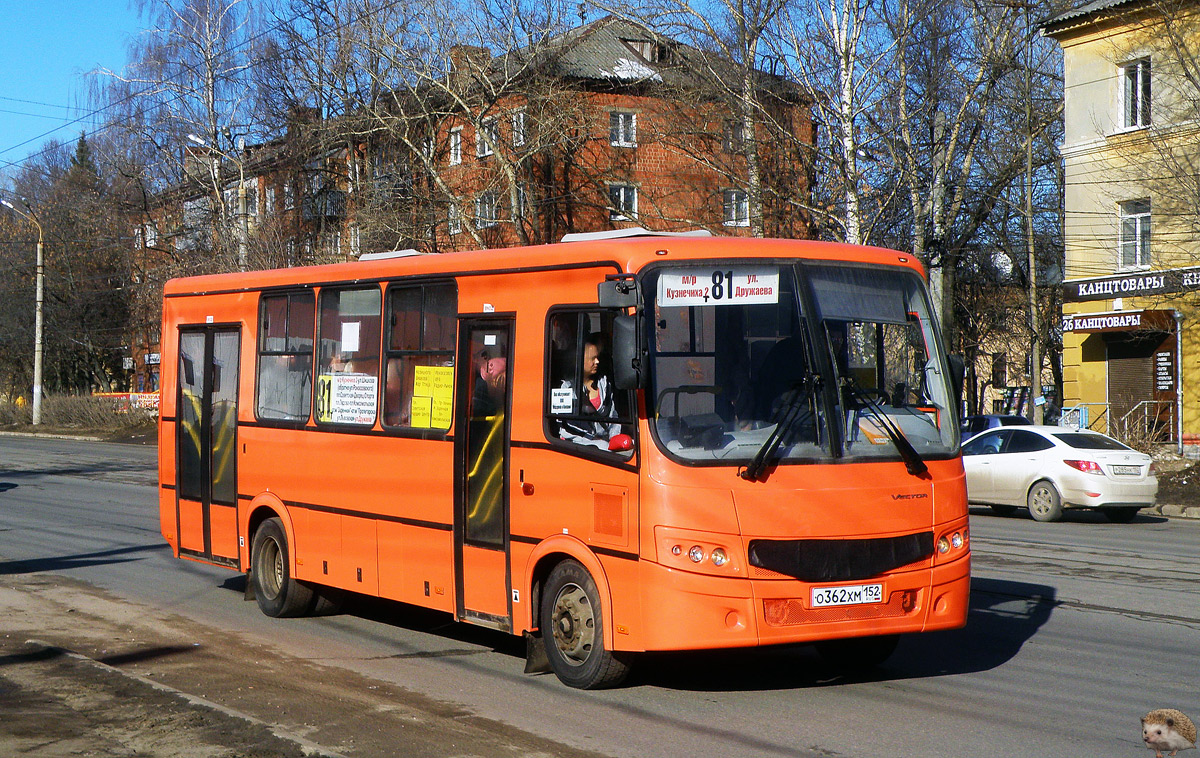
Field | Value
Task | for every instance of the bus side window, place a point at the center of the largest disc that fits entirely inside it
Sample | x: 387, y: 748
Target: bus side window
x: 584, y: 406
x: 285, y: 355
x: 348, y: 363
x: 419, y: 355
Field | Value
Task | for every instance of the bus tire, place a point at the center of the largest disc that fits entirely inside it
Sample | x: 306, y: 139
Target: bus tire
x: 277, y: 593
x: 1045, y: 504
x: 572, y: 625
x: 857, y: 654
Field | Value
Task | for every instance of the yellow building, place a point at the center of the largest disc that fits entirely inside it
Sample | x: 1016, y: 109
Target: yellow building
x: 1131, y: 300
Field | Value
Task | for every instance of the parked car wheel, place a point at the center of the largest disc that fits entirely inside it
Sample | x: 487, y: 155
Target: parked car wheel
x: 1045, y: 504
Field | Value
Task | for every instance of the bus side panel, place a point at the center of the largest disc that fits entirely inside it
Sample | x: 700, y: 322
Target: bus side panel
x: 415, y: 565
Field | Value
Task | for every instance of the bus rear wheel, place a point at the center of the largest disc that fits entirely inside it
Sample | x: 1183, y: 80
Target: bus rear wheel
x: 572, y: 625
x: 277, y: 593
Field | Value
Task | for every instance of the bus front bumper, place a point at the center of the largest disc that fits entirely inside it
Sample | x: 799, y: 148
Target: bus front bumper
x: 688, y: 611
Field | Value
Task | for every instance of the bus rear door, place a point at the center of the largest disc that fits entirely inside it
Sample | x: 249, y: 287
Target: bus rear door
x: 206, y: 444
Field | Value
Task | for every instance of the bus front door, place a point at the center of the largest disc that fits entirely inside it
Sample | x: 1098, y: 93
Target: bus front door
x: 206, y: 444
x: 481, y: 555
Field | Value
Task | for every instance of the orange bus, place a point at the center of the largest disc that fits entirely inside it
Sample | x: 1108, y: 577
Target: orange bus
x: 620, y: 443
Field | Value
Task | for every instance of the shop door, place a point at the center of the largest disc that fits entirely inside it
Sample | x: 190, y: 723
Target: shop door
x: 206, y: 444
x: 481, y: 440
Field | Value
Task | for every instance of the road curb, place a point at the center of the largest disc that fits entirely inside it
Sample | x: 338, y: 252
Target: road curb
x: 52, y: 436
x: 1171, y: 510
x: 308, y: 747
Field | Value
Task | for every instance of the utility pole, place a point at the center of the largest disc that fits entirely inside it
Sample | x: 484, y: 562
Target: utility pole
x: 1035, y: 358
x: 38, y: 322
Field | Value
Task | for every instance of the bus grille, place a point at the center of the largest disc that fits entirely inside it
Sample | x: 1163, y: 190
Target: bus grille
x: 826, y: 560
x: 791, y: 611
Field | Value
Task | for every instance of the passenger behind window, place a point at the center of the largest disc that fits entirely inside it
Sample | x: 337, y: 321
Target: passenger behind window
x: 488, y: 396
x: 594, y: 401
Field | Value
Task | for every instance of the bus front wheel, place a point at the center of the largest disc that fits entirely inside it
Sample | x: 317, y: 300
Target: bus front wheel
x: 277, y: 593
x: 572, y: 625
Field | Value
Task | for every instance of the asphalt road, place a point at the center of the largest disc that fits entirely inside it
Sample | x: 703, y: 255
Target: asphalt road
x: 1076, y: 630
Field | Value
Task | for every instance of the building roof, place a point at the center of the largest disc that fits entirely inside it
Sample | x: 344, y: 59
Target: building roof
x: 1087, y: 13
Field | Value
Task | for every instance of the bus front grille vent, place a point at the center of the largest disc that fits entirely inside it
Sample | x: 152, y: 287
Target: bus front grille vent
x: 793, y: 612
x: 840, y: 560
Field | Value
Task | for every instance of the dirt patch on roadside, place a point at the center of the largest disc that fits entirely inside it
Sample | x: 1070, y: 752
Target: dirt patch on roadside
x: 1180, y: 487
x: 171, y: 688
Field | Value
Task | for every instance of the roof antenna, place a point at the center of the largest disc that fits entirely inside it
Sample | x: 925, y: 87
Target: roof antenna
x: 582, y: 14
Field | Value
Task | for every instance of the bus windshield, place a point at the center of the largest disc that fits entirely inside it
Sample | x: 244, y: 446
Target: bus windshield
x: 813, y: 361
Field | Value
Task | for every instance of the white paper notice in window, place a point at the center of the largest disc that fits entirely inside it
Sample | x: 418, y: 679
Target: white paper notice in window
x: 350, y: 337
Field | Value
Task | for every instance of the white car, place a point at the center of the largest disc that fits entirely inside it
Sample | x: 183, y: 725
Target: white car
x: 1049, y: 468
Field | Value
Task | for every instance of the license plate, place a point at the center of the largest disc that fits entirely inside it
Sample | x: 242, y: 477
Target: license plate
x: 857, y: 594
x: 1127, y: 470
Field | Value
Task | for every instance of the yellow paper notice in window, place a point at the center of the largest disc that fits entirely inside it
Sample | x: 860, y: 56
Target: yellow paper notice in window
x: 436, y: 383
x: 421, y: 407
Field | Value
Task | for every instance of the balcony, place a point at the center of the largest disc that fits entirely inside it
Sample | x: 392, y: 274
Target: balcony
x: 324, y: 204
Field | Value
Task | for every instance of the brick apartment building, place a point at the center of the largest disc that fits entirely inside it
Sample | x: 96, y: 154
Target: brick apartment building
x: 606, y: 126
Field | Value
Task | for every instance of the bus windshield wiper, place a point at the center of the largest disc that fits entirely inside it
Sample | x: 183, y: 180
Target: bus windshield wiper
x: 912, y: 459
x: 792, y: 411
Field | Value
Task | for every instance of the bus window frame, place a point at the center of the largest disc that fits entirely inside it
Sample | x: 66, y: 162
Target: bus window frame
x: 342, y: 427
x: 401, y: 430
x: 590, y: 452
x: 258, y: 355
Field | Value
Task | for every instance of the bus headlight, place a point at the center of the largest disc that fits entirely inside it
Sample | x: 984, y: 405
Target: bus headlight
x: 699, y: 552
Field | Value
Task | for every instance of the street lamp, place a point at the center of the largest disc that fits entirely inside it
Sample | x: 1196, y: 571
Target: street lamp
x: 37, y: 319
x: 244, y: 228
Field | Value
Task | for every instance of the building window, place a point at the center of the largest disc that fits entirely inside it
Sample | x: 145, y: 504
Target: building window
x: 487, y: 135
x: 999, y: 370
x: 485, y: 210
x: 519, y: 209
x: 518, y: 129
x: 454, y: 219
x: 734, y: 137
x: 737, y: 208
x: 149, y: 235
x: 270, y: 200
x: 1135, y: 234
x: 1135, y: 94
x: 622, y: 201
x: 289, y: 196
x: 456, y: 146
x: 622, y: 129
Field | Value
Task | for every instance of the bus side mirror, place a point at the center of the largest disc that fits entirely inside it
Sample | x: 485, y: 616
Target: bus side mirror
x: 627, y: 353
x: 958, y: 373
x: 618, y: 291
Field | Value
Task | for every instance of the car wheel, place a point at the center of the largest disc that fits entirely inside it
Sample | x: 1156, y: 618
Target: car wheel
x: 1003, y: 510
x: 573, y: 627
x: 1121, y: 515
x: 1045, y: 504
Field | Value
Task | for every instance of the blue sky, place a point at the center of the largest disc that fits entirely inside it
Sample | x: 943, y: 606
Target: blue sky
x: 46, y: 49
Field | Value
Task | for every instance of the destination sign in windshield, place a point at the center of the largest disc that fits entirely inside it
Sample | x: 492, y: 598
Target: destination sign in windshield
x: 718, y: 286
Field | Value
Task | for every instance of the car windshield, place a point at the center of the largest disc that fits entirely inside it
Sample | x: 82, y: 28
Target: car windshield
x: 1084, y: 441
x: 840, y: 360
